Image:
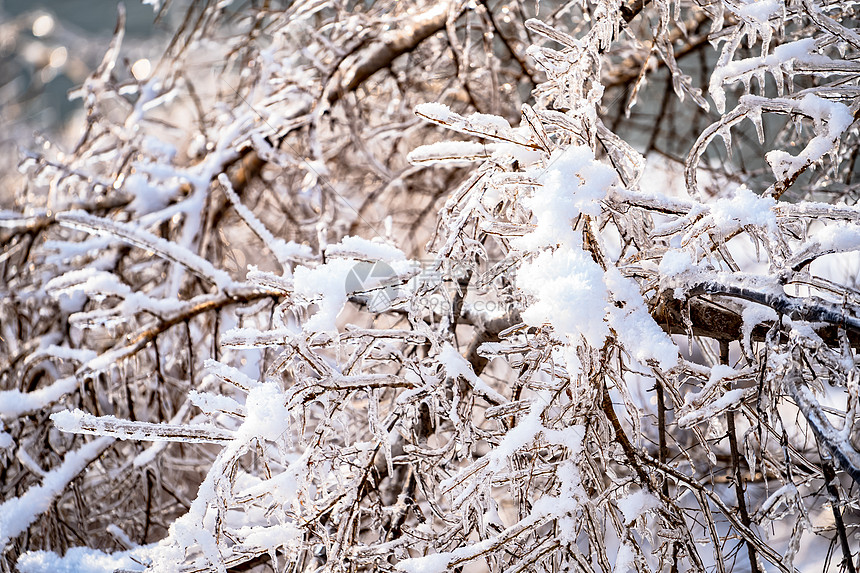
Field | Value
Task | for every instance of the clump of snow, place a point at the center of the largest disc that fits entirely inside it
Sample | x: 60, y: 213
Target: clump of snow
x: 475, y: 124
x: 435, y: 111
x: 562, y: 507
x: 759, y: 10
x: 636, y: 504
x: 349, y: 268
x: 719, y: 372
x: 272, y: 536
x: 676, y: 262
x: 573, y: 183
x: 148, y: 197
x: 139, y: 237
x: 838, y: 237
x: 635, y: 327
x: 830, y: 119
x: 14, y: 403
x: 729, y: 214
x: 755, y: 15
x: 324, y: 285
x: 161, y: 149
x: 570, y: 294
x: 267, y: 416
x: 524, y: 433
x: 79, y: 560
x: 211, y: 403
x: 525, y: 155
x: 359, y: 247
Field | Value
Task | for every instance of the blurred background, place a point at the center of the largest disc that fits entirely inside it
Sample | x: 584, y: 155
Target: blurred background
x: 47, y: 49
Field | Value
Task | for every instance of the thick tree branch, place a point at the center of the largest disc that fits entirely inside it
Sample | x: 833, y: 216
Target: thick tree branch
x: 405, y: 37
x: 711, y: 320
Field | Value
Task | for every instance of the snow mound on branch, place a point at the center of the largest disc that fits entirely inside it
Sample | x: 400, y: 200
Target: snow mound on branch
x: 573, y: 183
x: 572, y: 292
x: 636, y: 504
x: 328, y: 285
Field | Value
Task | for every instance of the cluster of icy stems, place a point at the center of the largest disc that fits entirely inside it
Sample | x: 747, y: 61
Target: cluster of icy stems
x: 389, y: 444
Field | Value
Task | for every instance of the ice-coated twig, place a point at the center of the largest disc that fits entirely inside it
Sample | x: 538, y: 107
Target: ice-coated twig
x: 145, y: 240
x: 78, y: 422
x: 17, y: 513
x: 807, y: 309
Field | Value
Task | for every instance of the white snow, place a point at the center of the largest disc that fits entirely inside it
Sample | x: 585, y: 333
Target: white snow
x: 149, y: 197
x: 282, y: 250
x: 760, y: 10
x: 271, y: 536
x: 78, y: 560
x: 830, y: 119
x: 780, y: 60
x: 138, y: 237
x: 370, y: 249
x: 636, y: 504
x: 435, y: 111
x: 753, y: 315
x: 97, y: 285
x: 267, y: 416
x: 676, y: 262
x: 570, y: 296
x: 562, y: 507
x: 572, y: 183
x: 728, y: 214
x: 80, y: 422
x: 329, y: 285
x: 625, y: 561
x: 730, y: 399
x: 14, y: 403
x: 17, y: 513
x: 212, y: 403
x: 325, y: 285
x: 634, y: 326
x: 455, y: 365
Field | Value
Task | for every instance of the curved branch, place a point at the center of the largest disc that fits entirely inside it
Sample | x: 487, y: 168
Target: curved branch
x: 844, y: 454
x: 404, y: 38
